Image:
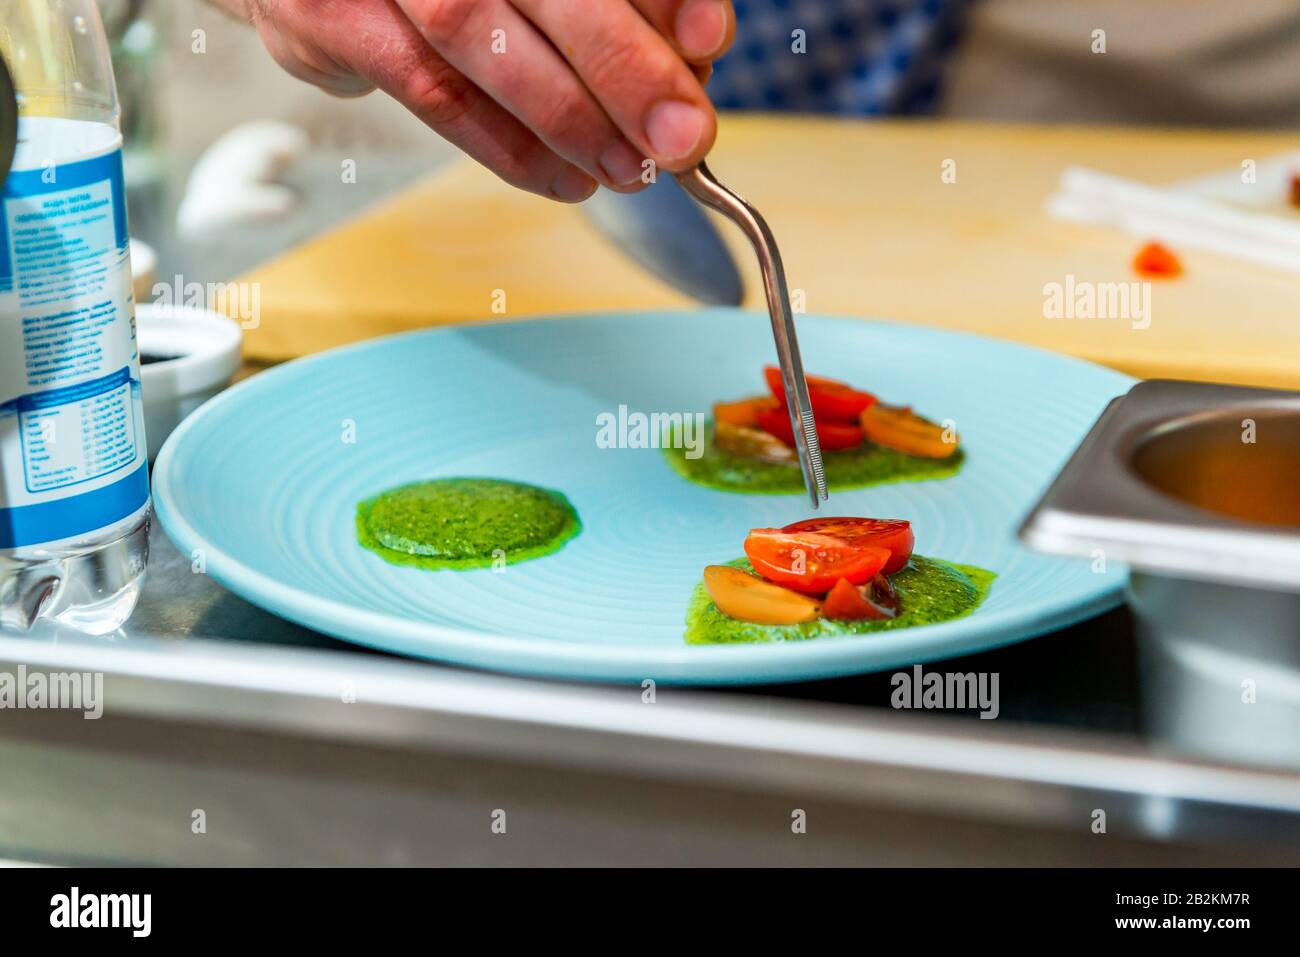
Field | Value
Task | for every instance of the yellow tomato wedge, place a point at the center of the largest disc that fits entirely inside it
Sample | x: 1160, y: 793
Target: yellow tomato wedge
x: 743, y: 412
x: 898, y: 427
x: 752, y: 443
x: 748, y: 598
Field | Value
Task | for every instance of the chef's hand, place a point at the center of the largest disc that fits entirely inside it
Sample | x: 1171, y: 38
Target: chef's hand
x: 554, y: 96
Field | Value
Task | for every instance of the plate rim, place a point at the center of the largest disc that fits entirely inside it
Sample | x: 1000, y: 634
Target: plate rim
x: 686, y: 664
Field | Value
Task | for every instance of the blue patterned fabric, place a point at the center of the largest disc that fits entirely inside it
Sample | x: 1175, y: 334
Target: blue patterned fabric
x: 864, y: 57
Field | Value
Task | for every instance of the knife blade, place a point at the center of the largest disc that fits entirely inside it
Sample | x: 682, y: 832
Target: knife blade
x: 667, y: 233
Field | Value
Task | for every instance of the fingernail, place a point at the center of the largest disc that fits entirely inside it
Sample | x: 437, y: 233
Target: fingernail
x: 622, y: 163
x: 573, y: 185
x: 701, y: 27
x: 674, y: 129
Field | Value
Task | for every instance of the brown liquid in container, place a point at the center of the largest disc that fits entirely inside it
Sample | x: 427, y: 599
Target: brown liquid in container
x: 1208, y: 462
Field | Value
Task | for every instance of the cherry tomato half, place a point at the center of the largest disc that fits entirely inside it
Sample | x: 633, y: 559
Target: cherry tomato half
x: 739, y: 594
x: 831, y: 400
x: 833, y: 436
x: 809, y: 563
x: 743, y: 412
x: 900, y: 428
x: 894, y: 534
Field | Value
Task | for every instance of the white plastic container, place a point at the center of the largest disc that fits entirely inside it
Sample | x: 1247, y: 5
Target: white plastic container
x: 74, y: 481
x: 187, y: 356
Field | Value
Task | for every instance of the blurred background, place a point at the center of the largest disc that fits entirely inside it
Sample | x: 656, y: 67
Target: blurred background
x: 189, y: 73
x: 182, y: 100
x: 1207, y: 63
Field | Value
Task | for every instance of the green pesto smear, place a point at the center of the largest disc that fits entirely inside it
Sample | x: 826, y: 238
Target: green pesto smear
x: 868, y: 464
x: 929, y: 591
x: 463, y: 523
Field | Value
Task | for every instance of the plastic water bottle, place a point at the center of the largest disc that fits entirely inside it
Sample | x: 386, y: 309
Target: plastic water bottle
x: 74, y: 481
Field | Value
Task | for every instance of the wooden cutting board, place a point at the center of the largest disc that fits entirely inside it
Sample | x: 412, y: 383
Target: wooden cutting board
x: 867, y: 225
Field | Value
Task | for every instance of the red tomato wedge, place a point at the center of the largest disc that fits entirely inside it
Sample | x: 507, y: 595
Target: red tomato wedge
x: 847, y: 603
x: 831, y: 400
x: 833, y: 436
x: 1157, y: 262
x: 810, y: 563
x: 894, y: 534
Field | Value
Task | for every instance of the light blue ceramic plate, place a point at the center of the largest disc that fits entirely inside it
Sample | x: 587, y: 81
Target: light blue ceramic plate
x: 263, y: 480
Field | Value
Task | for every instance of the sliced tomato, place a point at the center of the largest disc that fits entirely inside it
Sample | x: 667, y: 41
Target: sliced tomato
x: 743, y: 412
x: 752, y: 444
x: 1157, y: 262
x: 747, y: 597
x: 811, y: 563
x: 849, y: 602
x: 883, y: 595
x: 894, y: 534
x: 898, y: 427
x: 833, y: 436
x: 831, y: 400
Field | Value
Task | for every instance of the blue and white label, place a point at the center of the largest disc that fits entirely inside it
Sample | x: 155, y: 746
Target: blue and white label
x: 72, y: 452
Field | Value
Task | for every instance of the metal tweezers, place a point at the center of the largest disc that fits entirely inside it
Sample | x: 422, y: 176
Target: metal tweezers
x: 702, y: 184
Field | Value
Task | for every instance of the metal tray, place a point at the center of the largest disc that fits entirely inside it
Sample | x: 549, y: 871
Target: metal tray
x: 1196, y: 487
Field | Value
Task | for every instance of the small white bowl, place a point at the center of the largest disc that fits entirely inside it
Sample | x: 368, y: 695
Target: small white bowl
x: 195, y: 353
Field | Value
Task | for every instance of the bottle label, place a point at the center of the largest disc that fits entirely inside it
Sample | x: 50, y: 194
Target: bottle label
x: 72, y: 451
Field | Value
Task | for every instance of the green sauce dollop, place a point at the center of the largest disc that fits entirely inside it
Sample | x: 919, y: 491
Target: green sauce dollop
x: 868, y: 464
x: 465, y: 523
x: 929, y: 590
